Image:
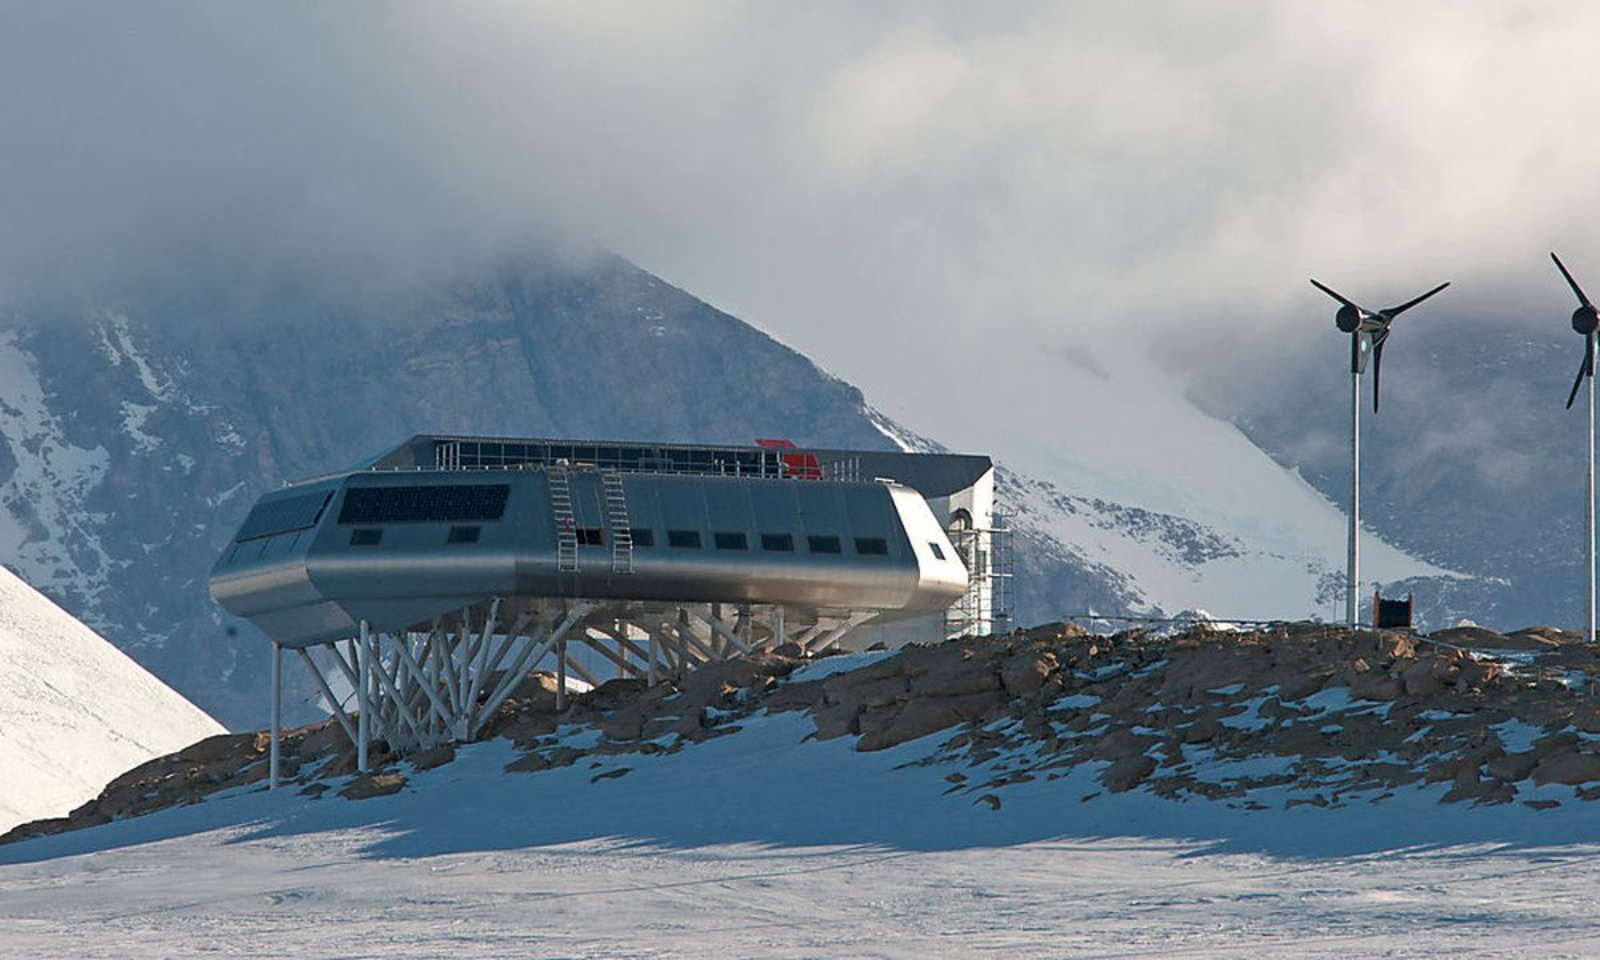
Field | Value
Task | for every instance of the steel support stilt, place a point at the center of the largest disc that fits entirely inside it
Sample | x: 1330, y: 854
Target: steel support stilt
x: 561, y: 674
x: 1353, y: 567
x: 363, y: 696
x: 1589, y: 512
x: 277, y: 714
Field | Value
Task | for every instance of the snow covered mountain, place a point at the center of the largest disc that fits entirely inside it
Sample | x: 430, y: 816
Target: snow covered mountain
x: 136, y: 431
x: 74, y: 710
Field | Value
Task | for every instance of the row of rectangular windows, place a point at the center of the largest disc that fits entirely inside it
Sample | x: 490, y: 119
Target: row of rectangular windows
x: 681, y: 539
x: 735, y: 540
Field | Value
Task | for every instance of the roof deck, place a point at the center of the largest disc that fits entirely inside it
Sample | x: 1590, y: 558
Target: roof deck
x: 933, y: 474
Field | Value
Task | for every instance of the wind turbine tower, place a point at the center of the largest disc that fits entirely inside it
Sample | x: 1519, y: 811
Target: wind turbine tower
x: 1369, y: 331
x: 1585, y: 320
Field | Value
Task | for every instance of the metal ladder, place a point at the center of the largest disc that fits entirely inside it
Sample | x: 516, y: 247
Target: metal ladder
x: 617, y: 518
x: 566, y: 525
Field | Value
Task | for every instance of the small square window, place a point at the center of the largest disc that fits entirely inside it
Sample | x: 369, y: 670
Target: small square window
x: 778, y: 542
x: 872, y: 546
x: 464, y: 534
x: 938, y: 551
x: 731, y: 541
x: 823, y: 544
x: 366, y: 536
x: 689, y: 539
x: 642, y: 536
x: 590, y: 537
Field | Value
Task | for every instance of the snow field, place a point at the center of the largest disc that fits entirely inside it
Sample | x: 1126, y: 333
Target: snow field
x: 759, y: 844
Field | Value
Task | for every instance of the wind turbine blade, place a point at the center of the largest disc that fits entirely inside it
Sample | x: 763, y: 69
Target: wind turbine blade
x: 1338, y: 296
x: 1582, y: 297
x: 1377, y: 372
x: 1584, y: 368
x: 1393, y: 312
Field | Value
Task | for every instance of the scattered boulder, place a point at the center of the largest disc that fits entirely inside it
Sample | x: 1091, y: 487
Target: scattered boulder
x: 371, y: 785
x: 1024, y: 675
x: 1375, y: 686
x: 1127, y: 773
x: 437, y: 757
x: 1420, y: 680
x: 925, y: 715
x: 1512, y: 766
x: 1567, y: 766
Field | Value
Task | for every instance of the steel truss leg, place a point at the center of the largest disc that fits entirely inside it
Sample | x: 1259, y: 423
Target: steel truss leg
x: 364, y: 697
x: 417, y: 690
x: 277, y: 694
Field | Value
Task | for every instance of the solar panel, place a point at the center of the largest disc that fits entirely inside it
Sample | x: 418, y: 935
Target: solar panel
x: 430, y: 504
x: 283, y: 516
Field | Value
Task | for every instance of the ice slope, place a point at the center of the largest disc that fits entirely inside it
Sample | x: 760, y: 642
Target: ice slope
x: 1111, y: 461
x: 767, y: 843
x: 74, y: 711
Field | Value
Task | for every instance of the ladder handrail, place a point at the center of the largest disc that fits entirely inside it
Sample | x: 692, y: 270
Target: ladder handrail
x: 566, y: 524
x: 616, y: 500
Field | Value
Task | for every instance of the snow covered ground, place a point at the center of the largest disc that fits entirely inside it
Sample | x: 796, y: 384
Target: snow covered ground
x: 756, y: 844
x: 74, y: 710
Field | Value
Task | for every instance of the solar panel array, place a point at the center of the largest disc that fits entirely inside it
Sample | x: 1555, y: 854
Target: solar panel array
x: 425, y: 504
x: 283, y: 516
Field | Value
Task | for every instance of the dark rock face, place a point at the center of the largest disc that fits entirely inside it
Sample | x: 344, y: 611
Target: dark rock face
x: 136, y: 432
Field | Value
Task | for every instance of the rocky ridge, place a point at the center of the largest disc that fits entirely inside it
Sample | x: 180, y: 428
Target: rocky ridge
x: 1290, y: 715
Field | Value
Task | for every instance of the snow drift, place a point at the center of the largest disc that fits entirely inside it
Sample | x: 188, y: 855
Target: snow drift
x: 74, y: 710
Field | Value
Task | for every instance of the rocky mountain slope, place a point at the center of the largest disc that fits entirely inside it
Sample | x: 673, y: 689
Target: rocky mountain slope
x: 135, y: 431
x: 74, y: 710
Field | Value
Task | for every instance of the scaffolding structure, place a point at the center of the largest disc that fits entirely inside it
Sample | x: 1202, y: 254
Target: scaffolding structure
x: 988, y: 605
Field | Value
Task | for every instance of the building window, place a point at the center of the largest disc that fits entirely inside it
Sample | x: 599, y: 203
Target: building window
x: 430, y: 504
x: 590, y: 537
x: 642, y: 536
x: 463, y: 534
x: 731, y: 541
x: 823, y: 544
x: 778, y: 542
x: 687, y: 539
x: 872, y: 546
x: 366, y: 537
x: 938, y: 551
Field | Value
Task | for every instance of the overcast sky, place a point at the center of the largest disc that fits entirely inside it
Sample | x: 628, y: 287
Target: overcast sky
x: 944, y: 181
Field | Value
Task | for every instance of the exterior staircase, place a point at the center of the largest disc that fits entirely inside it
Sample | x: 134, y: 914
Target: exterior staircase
x: 616, y: 503
x: 566, y: 526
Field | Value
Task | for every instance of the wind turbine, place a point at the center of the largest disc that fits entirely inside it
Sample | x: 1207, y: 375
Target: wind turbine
x: 1585, y: 320
x: 1369, y: 331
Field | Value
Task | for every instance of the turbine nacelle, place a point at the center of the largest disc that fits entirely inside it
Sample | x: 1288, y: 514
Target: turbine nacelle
x: 1586, y: 320
x: 1349, y: 319
x: 1368, y: 330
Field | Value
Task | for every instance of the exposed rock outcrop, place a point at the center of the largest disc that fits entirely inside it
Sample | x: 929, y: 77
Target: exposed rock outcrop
x: 1330, y: 715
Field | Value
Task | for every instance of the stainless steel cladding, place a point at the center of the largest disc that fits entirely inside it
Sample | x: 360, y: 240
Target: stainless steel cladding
x: 398, y: 547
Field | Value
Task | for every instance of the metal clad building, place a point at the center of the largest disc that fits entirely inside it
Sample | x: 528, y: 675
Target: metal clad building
x: 487, y: 551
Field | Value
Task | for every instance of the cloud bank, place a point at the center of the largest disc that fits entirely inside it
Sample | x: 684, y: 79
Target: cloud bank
x: 929, y: 182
